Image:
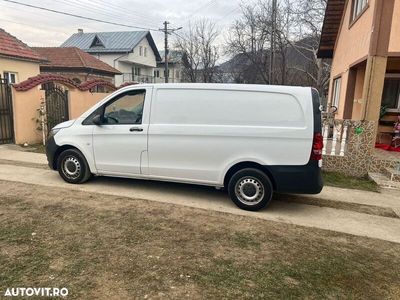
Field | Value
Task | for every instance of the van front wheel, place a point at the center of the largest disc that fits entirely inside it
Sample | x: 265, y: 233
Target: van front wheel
x: 72, y: 166
x: 250, y: 189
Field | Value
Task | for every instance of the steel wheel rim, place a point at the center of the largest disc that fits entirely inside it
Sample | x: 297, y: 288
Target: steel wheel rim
x: 71, y: 167
x: 249, y: 190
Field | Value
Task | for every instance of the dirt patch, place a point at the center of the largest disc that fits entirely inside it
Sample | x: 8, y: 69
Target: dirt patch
x: 110, y: 247
x: 23, y: 164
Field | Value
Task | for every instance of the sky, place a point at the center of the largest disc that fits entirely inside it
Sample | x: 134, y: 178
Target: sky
x: 41, y: 28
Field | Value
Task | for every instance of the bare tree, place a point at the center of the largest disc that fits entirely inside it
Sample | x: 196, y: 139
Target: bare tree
x: 308, y: 16
x: 296, y: 34
x: 250, y: 37
x: 200, y: 54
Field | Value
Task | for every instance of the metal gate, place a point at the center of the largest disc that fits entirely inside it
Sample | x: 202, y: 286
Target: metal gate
x: 56, y: 105
x: 6, y: 113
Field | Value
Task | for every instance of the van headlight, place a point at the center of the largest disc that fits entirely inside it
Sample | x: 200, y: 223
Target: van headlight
x: 53, y: 132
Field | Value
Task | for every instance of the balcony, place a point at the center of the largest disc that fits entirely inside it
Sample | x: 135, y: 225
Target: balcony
x: 129, y: 77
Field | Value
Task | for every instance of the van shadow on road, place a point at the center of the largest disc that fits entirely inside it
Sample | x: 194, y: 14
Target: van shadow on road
x: 149, y: 189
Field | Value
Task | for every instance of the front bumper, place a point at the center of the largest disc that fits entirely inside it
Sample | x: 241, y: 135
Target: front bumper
x: 51, y: 150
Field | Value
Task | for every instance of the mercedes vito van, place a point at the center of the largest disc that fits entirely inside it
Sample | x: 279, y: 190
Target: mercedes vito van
x: 252, y: 140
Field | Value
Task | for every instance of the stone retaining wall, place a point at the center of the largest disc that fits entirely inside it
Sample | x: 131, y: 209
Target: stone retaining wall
x: 359, y: 156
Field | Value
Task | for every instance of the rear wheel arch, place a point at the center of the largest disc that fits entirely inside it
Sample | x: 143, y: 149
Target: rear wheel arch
x: 245, y: 165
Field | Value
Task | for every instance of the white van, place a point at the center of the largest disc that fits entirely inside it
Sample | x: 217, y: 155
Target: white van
x: 251, y: 139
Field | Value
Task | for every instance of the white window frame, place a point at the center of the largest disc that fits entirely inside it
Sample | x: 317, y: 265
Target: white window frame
x: 145, y: 51
x: 336, y: 88
x: 394, y: 76
x: 7, y: 75
x: 140, y: 51
x: 358, y: 8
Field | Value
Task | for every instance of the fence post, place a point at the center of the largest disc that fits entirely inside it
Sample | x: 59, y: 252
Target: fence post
x: 325, y: 133
x: 344, y: 138
x: 334, y: 140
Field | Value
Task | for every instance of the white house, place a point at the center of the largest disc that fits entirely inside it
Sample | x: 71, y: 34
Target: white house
x: 133, y: 53
x: 175, y: 67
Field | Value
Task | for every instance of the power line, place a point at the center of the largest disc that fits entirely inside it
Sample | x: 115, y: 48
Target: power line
x: 200, y: 8
x: 26, y: 24
x: 104, y: 12
x: 107, y: 11
x: 79, y: 16
x: 227, y: 15
x: 118, y: 9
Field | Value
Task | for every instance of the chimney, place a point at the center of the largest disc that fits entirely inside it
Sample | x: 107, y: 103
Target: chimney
x: 80, y: 30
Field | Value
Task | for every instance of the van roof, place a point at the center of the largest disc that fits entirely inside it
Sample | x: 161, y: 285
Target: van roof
x: 223, y: 86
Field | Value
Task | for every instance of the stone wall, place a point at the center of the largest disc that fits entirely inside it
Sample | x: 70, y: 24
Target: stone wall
x: 358, y: 158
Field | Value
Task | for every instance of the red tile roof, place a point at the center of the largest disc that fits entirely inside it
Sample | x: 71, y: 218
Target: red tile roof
x: 31, y: 82
x: 96, y: 82
x: 13, y: 47
x: 72, y: 57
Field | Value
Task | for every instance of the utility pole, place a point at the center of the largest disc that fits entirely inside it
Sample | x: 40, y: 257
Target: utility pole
x: 272, y: 48
x: 167, y: 31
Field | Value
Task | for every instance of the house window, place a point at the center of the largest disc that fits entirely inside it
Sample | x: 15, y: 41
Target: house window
x: 391, y: 92
x: 140, y: 50
x: 136, y: 71
x: 96, y: 42
x: 145, y: 51
x: 156, y: 73
x: 358, y: 8
x: 11, y: 77
x: 336, y: 92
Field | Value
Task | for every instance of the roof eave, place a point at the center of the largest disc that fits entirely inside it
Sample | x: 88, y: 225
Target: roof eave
x: 330, y: 28
x: 60, y: 69
x: 28, y: 59
x: 325, y: 53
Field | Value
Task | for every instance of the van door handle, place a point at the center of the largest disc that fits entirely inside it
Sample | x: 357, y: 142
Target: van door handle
x: 136, y: 129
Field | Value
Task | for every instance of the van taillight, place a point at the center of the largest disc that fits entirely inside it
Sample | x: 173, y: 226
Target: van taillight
x: 318, y: 144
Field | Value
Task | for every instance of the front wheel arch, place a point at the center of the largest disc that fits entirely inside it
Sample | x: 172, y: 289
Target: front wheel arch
x: 62, y: 148
x: 82, y: 169
x: 59, y: 151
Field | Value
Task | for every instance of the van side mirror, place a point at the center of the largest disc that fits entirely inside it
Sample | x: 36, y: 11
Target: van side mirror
x: 97, y: 120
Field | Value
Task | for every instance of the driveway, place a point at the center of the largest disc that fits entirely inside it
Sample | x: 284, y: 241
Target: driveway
x: 17, y: 166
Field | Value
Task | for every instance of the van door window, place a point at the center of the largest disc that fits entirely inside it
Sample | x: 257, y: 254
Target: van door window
x: 127, y: 108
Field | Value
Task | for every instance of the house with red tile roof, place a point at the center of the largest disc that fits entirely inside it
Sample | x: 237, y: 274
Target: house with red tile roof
x: 73, y: 63
x: 18, y: 61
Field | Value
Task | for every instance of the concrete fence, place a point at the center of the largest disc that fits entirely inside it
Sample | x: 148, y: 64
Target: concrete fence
x: 26, y: 114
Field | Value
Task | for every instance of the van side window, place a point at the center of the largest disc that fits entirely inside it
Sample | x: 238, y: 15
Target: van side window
x: 126, y: 108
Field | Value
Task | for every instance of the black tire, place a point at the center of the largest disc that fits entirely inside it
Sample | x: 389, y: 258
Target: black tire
x: 247, y: 184
x: 73, y: 158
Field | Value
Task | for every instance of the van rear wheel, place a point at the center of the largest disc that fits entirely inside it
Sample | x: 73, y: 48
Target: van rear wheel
x: 250, y: 189
x: 72, y: 166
